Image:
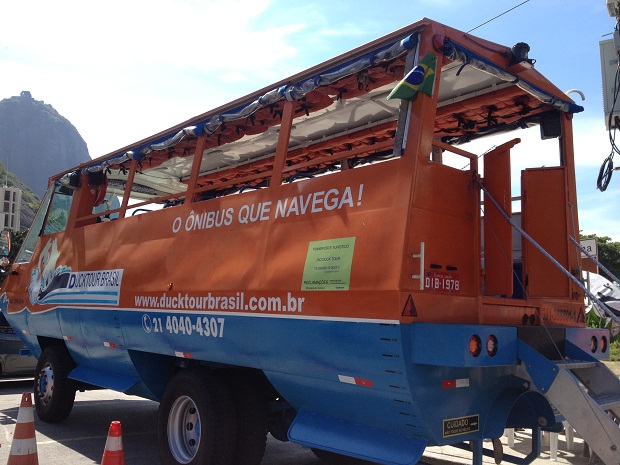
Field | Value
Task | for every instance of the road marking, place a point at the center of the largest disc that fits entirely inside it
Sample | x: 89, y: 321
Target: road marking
x: 88, y: 438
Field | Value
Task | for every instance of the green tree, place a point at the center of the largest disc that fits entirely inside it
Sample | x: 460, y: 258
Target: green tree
x: 609, y: 256
x: 17, y: 238
x: 608, y: 253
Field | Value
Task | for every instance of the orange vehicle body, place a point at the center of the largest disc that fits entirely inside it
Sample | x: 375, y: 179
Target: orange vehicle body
x: 322, y: 241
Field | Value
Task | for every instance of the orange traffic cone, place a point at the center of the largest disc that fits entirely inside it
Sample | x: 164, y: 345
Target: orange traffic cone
x: 24, y: 445
x: 113, y: 453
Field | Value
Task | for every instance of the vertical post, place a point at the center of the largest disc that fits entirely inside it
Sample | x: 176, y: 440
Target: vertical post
x: 82, y: 204
x: 568, y: 431
x: 553, y: 446
x: 473, y: 165
x: 282, y: 149
x: 419, y: 134
x: 126, y: 194
x: 535, y: 452
x: 478, y: 452
x: 567, y: 152
x: 510, y: 434
x: 193, y: 178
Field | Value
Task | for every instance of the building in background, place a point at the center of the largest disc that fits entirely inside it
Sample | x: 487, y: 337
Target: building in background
x: 10, y: 207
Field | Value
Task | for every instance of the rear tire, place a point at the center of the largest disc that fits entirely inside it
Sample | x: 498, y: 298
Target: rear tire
x: 54, y: 391
x: 249, y: 398
x: 197, y: 421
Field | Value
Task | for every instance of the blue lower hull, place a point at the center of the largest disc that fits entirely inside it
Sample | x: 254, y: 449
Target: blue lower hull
x: 401, y: 380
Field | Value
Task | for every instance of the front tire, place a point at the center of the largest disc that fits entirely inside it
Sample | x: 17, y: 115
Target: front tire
x: 54, y: 391
x: 197, y: 421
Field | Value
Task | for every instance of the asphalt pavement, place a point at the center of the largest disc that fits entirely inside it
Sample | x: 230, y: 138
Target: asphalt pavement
x: 522, y: 445
x: 80, y: 439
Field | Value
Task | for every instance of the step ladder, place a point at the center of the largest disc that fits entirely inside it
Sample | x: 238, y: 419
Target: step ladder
x: 586, y: 393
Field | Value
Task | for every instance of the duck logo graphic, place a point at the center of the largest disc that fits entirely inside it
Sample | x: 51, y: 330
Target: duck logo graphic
x: 46, y: 277
x: 53, y: 284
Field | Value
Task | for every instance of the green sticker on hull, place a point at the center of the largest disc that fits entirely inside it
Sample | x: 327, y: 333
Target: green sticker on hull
x: 328, y: 265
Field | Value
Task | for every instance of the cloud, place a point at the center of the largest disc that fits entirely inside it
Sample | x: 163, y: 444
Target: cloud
x: 347, y: 29
x: 591, y: 141
x: 235, y: 76
x: 119, y: 35
x: 598, y: 214
x: 597, y: 210
x: 121, y: 71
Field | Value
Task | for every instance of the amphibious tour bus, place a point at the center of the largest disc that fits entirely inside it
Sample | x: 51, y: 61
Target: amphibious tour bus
x: 367, y: 258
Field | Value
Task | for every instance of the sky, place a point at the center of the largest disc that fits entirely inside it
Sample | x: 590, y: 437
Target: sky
x: 123, y: 70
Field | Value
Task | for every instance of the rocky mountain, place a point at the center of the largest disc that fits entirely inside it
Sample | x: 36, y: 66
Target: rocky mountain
x: 36, y: 142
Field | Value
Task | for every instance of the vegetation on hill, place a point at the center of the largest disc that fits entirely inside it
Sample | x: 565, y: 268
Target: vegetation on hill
x: 29, y: 198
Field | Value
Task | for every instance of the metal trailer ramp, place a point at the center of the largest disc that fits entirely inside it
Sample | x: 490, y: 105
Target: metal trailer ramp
x: 585, y: 392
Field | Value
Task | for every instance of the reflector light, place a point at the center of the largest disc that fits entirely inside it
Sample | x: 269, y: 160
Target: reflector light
x: 409, y: 309
x: 356, y: 381
x: 593, y: 344
x: 603, y: 344
x: 475, y: 345
x: 438, y: 43
x: 454, y: 383
x: 491, y: 345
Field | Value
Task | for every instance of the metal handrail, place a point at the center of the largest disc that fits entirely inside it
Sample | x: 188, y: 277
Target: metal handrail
x: 558, y: 265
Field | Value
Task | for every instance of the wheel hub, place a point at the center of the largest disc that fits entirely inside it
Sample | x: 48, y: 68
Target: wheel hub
x: 184, y: 429
x: 45, y: 384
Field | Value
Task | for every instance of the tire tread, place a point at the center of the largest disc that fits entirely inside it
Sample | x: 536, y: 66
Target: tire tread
x: 63, y: 397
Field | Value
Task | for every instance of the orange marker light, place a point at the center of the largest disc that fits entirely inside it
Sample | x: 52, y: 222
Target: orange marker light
x: 475, y: 345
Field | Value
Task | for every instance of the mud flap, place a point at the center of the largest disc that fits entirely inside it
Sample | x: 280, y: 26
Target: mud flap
x: 519, y: 409
x: 317, y: 431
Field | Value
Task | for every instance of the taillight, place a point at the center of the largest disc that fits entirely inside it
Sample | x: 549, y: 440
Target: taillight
x: 593, y: 344
x: 491, y: 345
x: 475, y: 345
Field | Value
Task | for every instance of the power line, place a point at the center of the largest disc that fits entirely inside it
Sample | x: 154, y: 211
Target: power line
x: 501, y: 14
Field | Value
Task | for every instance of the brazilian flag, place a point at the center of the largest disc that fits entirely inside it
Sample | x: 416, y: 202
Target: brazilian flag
x: 420, y: 78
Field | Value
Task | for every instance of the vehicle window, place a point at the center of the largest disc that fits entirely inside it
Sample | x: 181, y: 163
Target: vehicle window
x: 58, y: 211
x: 112, y: 202
x: 27, y: 249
